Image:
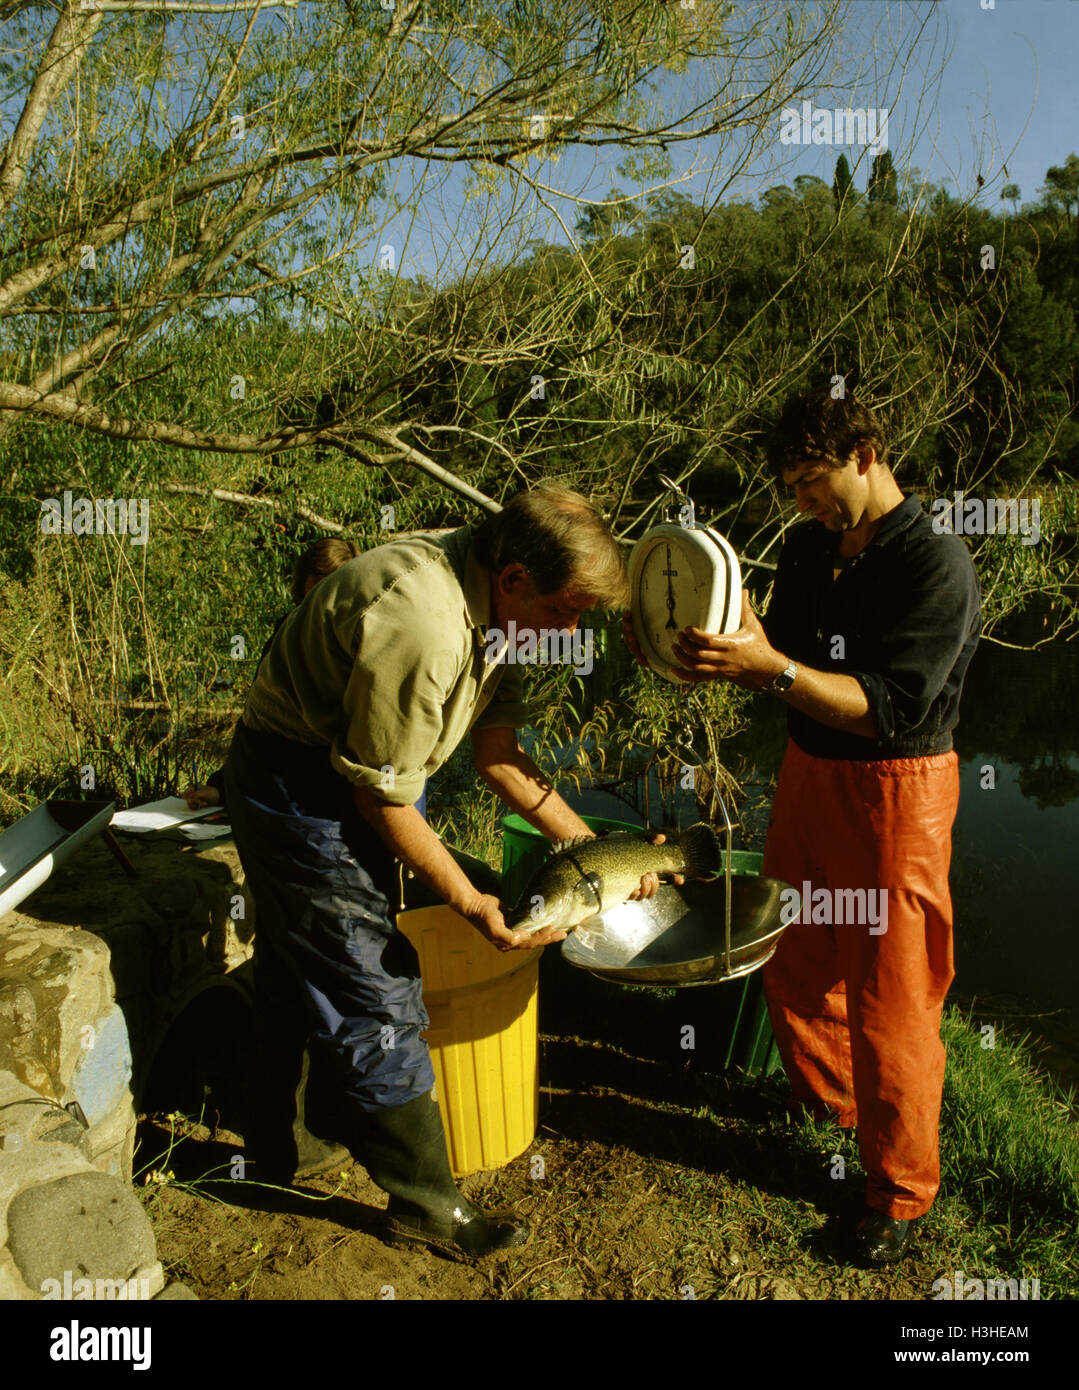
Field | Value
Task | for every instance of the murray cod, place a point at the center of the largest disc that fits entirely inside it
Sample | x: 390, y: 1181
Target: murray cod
x: 586, y: 875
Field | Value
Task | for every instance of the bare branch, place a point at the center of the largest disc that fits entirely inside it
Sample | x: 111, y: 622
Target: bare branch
x: 245, y: 499
x: 56, y: 405
x: 408, y: 454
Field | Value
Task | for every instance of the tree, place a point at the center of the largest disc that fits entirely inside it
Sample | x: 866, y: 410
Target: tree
x: 211, y: 282
x: 882, y: 181
x: 259, y: 153
x: 843, y: 183
x: 1061, y: 187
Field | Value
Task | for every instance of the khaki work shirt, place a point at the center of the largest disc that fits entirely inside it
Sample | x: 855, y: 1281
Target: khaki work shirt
x: 384, y: 662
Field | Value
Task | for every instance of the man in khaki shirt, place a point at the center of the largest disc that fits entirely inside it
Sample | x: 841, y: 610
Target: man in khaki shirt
x: 366, y: 690
x: 418, y: 610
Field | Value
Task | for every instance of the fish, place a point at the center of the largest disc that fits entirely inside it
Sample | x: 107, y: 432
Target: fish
x: 588, y: 874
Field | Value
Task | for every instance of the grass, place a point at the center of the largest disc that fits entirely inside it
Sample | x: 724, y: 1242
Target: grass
x: 1010, y: 1160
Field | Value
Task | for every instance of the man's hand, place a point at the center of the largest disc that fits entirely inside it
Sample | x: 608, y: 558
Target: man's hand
x: 635, y: 648
x: 485, y: 914
x: 745, y: 657
x: 197, y: 797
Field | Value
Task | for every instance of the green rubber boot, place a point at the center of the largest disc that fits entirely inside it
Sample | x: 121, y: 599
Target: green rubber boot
x: 404, y: 1152
x: 277, y: 1140
x: 313, y: 1154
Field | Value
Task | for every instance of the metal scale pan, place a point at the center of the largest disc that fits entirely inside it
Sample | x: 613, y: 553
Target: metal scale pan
x: 697, y: 934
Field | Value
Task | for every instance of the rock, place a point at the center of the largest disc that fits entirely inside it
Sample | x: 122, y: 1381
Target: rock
x: 55, y: 1129
x: 83, y: 940
x: 150, y: 1280
x: 65, y: 985
x: 102, y: 1078
x: 11, y: 1284
x: 88, y: 1224
x: 34, y: 1074
x: 57, y: 970
x: 111, y: 1142
x: 176, y: 1291
x: 17, y: 947
x: 27, y: 1161
x: 18, y: 1012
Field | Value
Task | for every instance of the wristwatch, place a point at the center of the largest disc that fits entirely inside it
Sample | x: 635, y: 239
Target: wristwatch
x: 784, y: 680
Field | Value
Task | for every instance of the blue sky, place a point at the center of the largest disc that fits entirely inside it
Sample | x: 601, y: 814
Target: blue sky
x: 1009, y: 80
x: 997, y: 88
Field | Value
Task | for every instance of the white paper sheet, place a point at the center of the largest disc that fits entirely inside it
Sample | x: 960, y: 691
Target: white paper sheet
x: 205, y: 832
x: 159, y: 815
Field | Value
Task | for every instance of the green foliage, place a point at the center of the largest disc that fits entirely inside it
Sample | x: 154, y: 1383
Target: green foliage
x: 657, y: 366
x: 247, y: 307
x: 882, y: 180
x: 622, y: 724
x: 1061, y: 187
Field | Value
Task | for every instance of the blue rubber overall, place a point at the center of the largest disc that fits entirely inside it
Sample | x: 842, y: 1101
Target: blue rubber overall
x: 330, y: 965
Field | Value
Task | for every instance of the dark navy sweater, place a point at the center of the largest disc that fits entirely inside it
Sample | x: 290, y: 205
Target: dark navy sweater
x: 903, y: 618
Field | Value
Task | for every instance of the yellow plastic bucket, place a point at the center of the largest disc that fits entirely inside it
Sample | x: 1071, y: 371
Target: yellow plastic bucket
x: 484, y: 1037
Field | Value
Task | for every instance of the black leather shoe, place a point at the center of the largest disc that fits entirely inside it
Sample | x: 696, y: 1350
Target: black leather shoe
x: 880, y: 1239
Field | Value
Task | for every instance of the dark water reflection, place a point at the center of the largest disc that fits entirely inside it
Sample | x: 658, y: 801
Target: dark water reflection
x: 1015, y: 870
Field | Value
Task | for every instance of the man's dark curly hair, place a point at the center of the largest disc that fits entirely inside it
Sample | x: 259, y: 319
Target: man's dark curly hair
x: 815, y: 426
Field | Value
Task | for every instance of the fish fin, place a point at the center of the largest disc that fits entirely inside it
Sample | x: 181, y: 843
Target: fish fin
x: 588, y: 939
x: 570, y: 843
x: 701, y: 850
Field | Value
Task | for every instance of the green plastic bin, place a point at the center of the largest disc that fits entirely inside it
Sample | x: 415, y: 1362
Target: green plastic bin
x: 751, y: 1046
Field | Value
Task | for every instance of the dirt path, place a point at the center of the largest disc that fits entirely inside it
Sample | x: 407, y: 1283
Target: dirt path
x: 661, y: 1178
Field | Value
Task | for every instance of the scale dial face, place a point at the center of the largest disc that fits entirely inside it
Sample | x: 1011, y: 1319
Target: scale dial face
x: 681, y: 578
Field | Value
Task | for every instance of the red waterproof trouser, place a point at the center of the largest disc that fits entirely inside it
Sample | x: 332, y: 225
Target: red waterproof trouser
x: 856, y: 1010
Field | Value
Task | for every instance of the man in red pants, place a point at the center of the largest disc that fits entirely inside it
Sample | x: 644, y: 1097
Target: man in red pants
x: 873, y: 621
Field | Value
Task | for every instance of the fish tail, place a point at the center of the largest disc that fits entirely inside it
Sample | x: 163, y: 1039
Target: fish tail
x: 701, y: 850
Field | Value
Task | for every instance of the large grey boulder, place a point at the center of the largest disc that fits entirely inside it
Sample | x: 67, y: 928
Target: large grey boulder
x: 85, y: 1226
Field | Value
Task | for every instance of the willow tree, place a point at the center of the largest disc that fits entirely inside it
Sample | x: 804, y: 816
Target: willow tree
x: 172, y: 162
x: 209, y: 212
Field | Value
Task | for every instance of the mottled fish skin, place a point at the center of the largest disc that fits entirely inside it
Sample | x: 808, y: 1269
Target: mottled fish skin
x: 561, y: 893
